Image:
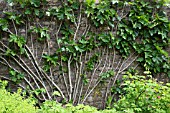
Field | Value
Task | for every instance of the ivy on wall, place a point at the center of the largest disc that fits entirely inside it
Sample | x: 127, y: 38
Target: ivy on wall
x: 145, y: 31
x: 136, y: 30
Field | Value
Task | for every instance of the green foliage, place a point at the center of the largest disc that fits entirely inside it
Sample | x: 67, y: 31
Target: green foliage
x: 42, y: 33
x: 19, y: 41
x: 16, y: 76
x: 143, y: 95
x: 145, y: 31
x: 51, y: 59
x: 15, y: 103
x: 24, y: 3
x: 101, y: 14
x: 52, y: 107
x: 92, y: 61
x: 14, y: 17
x: 64, y: 12
x: 106, y: 75
x: 85, y: 80
x: 3, y: 84
x: 10, y: 52
x: 3, y: 24
x: 38, y: 91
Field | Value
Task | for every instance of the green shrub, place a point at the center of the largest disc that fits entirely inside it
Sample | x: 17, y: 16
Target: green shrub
x: 143, y: 95
x: 14, y: 103
x: 52, y: 107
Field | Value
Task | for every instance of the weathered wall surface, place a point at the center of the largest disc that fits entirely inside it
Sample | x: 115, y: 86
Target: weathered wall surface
x: 109, y: 60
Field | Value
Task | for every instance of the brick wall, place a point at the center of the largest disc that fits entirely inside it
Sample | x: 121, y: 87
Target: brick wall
x: 110, y: 60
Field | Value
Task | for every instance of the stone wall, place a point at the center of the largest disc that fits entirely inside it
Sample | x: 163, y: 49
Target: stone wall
x: 109, y: 60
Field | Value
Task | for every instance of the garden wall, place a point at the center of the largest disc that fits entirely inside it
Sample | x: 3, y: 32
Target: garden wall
x: 87, y: 86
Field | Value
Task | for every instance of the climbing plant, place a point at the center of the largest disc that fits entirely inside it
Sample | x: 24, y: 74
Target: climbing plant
x: 80, y: 45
